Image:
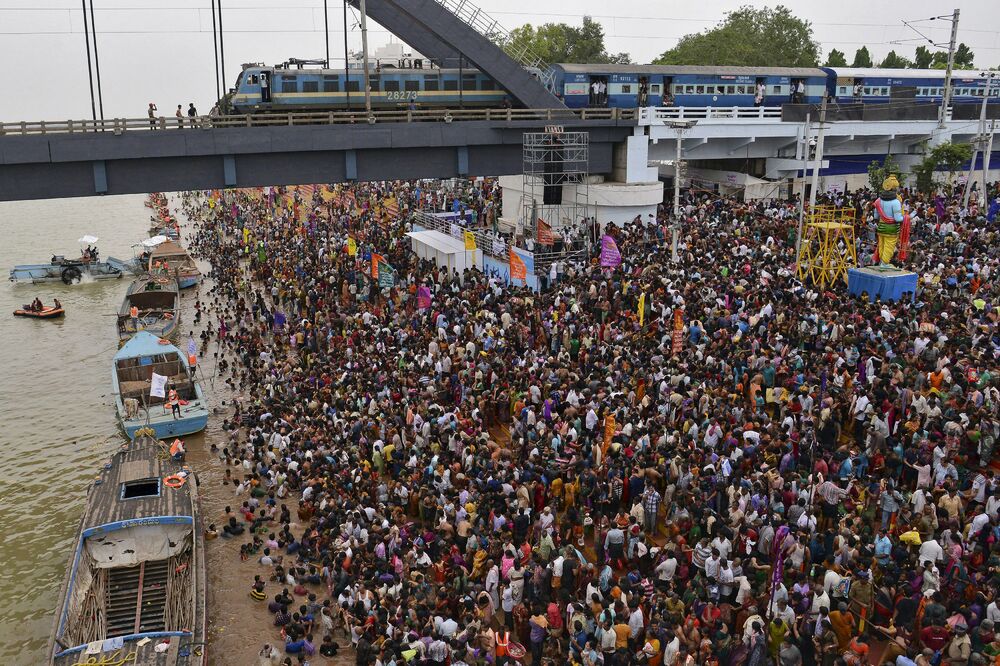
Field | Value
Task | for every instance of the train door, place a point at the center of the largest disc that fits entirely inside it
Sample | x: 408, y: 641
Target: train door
x: 759, y: 91
x: 598, y: 91
x: 265, y: 87
x: 643, y: 93
x: 659, y: 92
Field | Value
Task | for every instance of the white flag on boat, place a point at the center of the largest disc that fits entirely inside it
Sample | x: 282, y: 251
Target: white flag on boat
x: 157, y: 386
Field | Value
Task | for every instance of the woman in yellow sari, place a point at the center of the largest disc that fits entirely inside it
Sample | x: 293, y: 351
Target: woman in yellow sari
x: 478, y: 565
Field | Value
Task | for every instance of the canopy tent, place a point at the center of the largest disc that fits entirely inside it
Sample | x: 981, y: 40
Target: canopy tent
x: 154, y: 241
x: 444, y: 250
x: 88, y: 239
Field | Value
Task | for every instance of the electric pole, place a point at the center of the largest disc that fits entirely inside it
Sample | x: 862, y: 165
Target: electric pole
x: 946, y: 98
x: 364, y: 57
x: 980, y: 142
x: 802, y: 195
x: 819, y: 154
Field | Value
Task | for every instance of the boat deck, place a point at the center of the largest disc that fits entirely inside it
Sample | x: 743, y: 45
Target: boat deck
x: 135, y: 463
x: 181, y: 652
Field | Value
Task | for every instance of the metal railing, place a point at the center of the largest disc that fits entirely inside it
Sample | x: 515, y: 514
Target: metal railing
x: 121, y: 125
x: 653, y: 115
x: 491, y: 29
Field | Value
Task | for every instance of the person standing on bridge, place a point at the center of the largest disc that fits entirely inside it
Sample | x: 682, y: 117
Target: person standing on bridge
x: 152, y: 115
x: 192, y: 112
x: 180, y: 117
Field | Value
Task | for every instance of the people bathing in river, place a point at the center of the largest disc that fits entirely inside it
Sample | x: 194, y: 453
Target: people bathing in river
x: 704, y: 461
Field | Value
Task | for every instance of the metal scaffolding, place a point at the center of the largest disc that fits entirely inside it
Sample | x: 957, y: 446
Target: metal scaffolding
x: 555, y: 194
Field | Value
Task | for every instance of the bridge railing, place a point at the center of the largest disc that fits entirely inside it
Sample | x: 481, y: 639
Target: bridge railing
x: 654, y: 115
x: 122, y: 125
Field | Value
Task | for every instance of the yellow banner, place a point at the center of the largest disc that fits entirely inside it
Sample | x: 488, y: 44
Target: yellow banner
x: 470, y: 240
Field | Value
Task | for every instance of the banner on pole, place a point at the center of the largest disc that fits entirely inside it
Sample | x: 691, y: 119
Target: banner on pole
x: 610, y: 256
x: 158, y: 386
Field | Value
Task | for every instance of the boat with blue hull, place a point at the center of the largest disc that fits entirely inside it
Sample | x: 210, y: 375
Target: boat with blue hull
x: 70, y: 271
x: 169, y: 258
x: 135, y: 588
x: 132, y: 376
x: 157, y: 303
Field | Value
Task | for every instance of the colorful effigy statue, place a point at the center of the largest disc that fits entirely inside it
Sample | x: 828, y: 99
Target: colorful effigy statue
x: 893, y: 223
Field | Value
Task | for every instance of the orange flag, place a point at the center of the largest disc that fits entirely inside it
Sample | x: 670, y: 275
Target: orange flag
x: 544, y: 233
x: 375, y: 259
x: 518, y: 271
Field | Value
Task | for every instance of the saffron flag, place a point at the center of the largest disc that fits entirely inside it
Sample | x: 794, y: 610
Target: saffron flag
x: 544, y: 233
x: 518, y: 271
x: 609, y: 432
x: 610, y: 256
x: 157, y: 386
x: 642, y: 309
x: 678, y: 338
x: 376, y: 258
x: 423, y: 297
x: 352, y: 247
x: 470, y: 241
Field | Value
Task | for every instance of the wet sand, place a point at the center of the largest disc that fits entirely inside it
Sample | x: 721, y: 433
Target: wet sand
x: 238, y: 626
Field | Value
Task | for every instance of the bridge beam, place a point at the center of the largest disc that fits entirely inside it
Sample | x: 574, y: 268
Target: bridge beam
x: 50, y: 166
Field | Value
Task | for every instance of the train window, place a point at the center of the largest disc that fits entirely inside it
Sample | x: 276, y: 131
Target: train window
x: 654, y: 88
x: 373, y: 81
x: 331, y: 84
x: 626, y: 88
x: 730, y: 90
x: 777, y: 90
x: 689, y: 90
x: 700, y: 90
x: 842, y: 90
x: 411, y: 85
x: 310, y: 86
x: 468, y: 82
x: 487, y: 84
x: 720, y: 90
x: 253, y: 79
x: 353, y: 85
x: 451, y: 84
x: 390, y: 86
x: 431, y: 83
x: 289, y: 84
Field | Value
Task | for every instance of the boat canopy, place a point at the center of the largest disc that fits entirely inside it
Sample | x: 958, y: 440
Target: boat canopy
x: 144, y: 343
x: 88, y: 239
x: 154, y: 241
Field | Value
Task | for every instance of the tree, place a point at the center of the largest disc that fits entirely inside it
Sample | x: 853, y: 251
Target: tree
x: 836, y: 59
x: 560, y: 42
x: 878, y: 172
x: 894, y: 61
x: 748, y: 36
x: 862, y: 58
x: 964, y: 57
x: 922, y: 58
x: 946, y: 156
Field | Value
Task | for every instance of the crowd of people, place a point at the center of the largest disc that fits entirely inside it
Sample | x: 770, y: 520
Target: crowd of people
x: 693, y: 462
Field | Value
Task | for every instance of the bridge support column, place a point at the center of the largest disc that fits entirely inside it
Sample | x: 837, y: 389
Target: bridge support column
x: 463, y: 160
x: 229, y: 170
x: 351, y: 165
x: 100, y: 177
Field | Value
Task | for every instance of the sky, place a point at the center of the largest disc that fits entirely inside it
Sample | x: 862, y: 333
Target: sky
x: 161, y: 50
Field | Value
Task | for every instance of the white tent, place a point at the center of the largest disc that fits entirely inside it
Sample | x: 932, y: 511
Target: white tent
x: 88, y: 239
x: 154, y: 241
x: 444, y: 250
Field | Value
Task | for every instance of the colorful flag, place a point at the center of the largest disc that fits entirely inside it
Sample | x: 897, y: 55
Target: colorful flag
x: 609, y: 432
x: 352, y: 247
x: 376, y: 258
x: 423, y: 297
x: 470, y: 241
x: 642, y: 309
x: 678, y: 341
x: 518, y: 271
x: 544, y: 233
x: 386, y: 275
x: 610, y: 256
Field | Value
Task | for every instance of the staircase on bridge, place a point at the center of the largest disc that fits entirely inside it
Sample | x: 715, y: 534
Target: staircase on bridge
x: 447, y: 30
x: 137, y: 599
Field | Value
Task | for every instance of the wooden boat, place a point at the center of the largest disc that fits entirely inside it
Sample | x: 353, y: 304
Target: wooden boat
x: 131, y: 374
x: 158, y: 300
x: 169, y: 258
x: 137, y: 573
x: 47, y: 312
x: 67, y: 271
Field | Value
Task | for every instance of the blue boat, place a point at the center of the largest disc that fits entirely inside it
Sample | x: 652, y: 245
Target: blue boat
x: 68, y: 271
x: 157, y: 302
x: 136, y: 577
x: 131, y: 376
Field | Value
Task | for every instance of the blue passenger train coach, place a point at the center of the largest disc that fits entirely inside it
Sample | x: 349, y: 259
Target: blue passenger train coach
x: 290, y: 87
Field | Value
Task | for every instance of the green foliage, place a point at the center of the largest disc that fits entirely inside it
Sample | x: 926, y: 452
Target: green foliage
x: 878, y: 172
x: 836, y: 59
x: 964, y: 57
x: 748, y: 36
x: 560, y: 42
x: 923, y: 58
x: 948, y: 156
x: 862, y: 58
x: 894, y: 61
